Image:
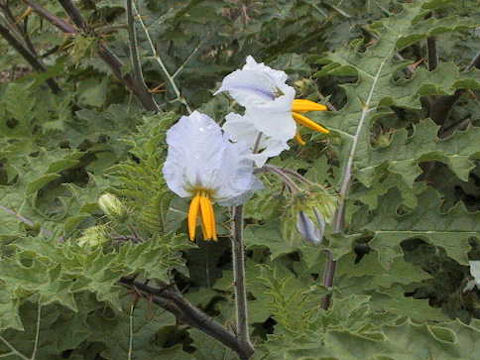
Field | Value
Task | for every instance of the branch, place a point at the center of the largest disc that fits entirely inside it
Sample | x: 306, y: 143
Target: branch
x: 56, y: 21
x: 239, y: 278
x: 103, y: 51
x: 432, y: 53
x: 339, y: 218
x: 133, y: 45
x: 28, y: 56
x: 74, y: 14
x: 159, y: 60
x: 173, y: 301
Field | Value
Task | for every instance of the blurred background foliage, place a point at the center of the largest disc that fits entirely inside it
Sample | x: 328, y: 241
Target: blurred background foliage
x: 412, y: 220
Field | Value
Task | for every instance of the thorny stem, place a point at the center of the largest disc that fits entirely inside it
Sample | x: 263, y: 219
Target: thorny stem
x: 238, y: 255
x: 432, y: 53
x: 170, y: 299
x: 187, y: 60
x: 130, y: 332
x: 12, y: 349
x: 37, y: 332
x: 339, y: 218
x: 158, y: 59
x: 28, y: 56
x: 133, y: 45
x: 103, y: 51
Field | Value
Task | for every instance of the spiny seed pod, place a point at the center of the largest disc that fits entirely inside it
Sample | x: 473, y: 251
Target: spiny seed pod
x: 312, y: 232
x: 112, y: 207
x: 93, y: 236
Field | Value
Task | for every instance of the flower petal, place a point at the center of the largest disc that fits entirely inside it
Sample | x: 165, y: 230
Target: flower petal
x: 255, y: 84
x: 242, y: 129
x: 201, y: 157
x: 195, y: 152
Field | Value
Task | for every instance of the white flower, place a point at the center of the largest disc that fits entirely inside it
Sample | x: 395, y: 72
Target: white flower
x: 269, y: 101
x: 202, y: 163
x: 242, y: 128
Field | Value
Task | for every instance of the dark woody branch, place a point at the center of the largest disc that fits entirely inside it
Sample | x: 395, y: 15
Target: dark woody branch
x: 28, y: 56
x: 169, y: 298
x: 103, y: 51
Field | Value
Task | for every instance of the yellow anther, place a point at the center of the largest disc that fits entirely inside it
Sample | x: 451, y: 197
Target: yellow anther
x: 303, y: 120
x: 212, y: 216
x: 303, y: 106
x: 205, y: 209
x: 299, y: 139
x: 192, y: 216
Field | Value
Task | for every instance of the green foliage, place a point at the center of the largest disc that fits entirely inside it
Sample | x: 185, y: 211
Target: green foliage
x: 406, y: 135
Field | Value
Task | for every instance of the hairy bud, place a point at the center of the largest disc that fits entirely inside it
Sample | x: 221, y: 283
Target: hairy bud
x: 112, y: 207
x: 312, y: 231
x: 93, y: 236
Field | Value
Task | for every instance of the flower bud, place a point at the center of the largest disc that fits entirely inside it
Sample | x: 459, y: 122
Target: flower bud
x: 475, y: 271
x: 93, y: 236
x: 312, y: 232
x: 112, y: 207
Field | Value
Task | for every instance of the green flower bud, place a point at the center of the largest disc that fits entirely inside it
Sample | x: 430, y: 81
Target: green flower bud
x: 93, y: 236
x: 112, y: 207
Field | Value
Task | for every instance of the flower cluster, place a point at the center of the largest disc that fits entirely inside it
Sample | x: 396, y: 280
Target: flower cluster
x: 209, y: 164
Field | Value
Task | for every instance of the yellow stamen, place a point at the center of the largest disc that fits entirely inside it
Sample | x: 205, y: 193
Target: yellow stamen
x: 303, y: 120
x: 192, y: 216
x: 303, y: 105
x: 206, y: 208
x: 299, y: 139
x: 214, y: 226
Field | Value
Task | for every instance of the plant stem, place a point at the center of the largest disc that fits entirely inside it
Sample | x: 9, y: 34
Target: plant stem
x: 158, y: 59
x: 238, y: 255
x: 339, y: 218
x: 432, y: 53
x: 133, y: 45
x: 28, y: 56
x: 170, y: 299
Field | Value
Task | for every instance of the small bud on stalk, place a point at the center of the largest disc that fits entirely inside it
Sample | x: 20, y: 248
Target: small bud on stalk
x: 112, y: 207
x: 311, y: 232
x: 93, y: 236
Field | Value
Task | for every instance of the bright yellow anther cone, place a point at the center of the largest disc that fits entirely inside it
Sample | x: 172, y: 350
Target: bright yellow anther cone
x: 192, y: 216
x: 201, y: 205
x: 303, y: 105
x: 303, y: 120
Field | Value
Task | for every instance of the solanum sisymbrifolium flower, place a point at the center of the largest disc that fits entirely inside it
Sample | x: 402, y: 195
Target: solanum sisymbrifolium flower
x: 269, y: 102
x: 241, y: 128
x: 203, y: 164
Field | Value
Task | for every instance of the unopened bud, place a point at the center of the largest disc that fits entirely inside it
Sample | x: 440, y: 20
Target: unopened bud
x: 475, y: 271
x: 93, y: 236
x: 112, y: 206
x: 312, y: 232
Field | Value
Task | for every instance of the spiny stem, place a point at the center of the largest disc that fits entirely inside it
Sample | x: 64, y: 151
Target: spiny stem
x: 28, y: 56
x: 130, y: 332
x: 12, y: 349
x: 187, y: 60
x: 238, y: 254
x: 37, y: 332
x: 432, y: 53
x: 158, y: 59
x: 133, y: 45
x: 339, y: 218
